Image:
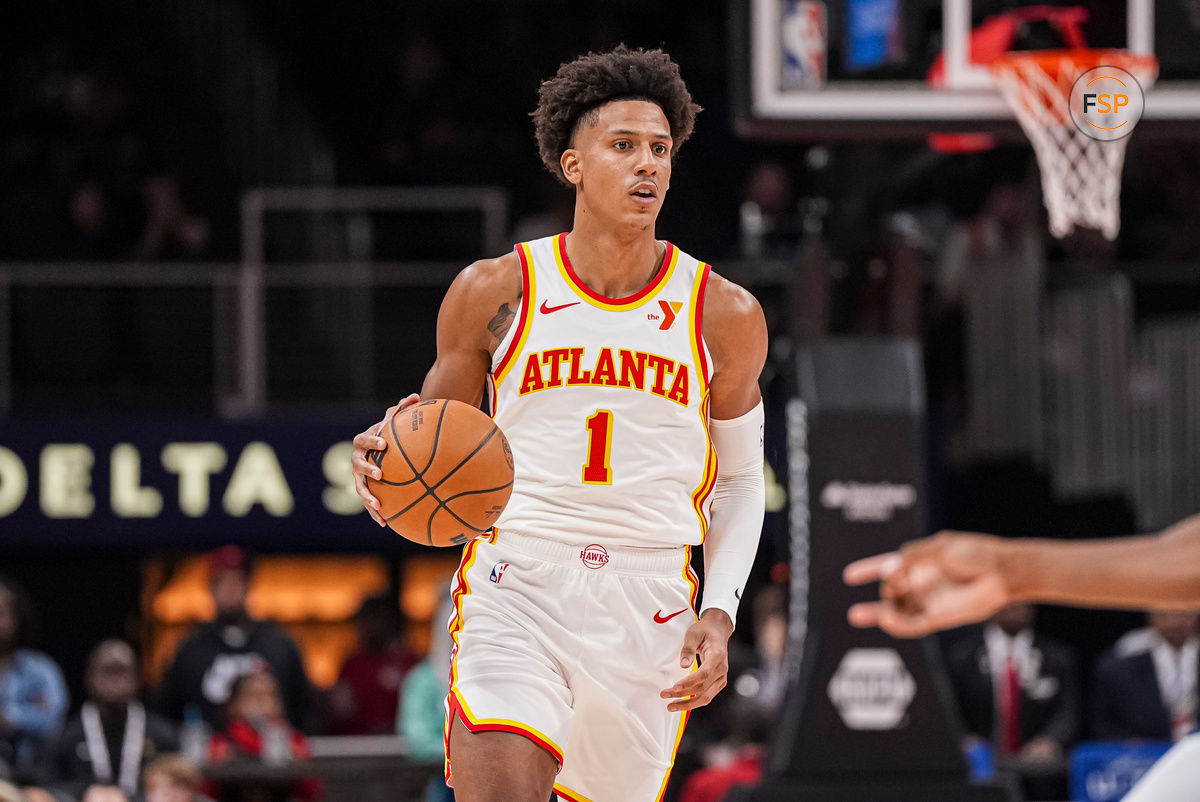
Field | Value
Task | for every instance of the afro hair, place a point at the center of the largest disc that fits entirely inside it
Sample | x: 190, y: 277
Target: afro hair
x: 583, y: 85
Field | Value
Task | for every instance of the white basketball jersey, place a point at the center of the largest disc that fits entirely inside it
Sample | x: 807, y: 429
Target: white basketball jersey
x: 605, y: 404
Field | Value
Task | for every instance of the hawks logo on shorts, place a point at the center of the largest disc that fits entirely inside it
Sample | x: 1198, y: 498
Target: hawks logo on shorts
x: 594, y: 556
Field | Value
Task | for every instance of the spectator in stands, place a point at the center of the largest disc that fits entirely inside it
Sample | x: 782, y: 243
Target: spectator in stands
x: 33, y: 696
x: 364, y: 700
x: 1145, y: 686
x: 89, y: 233
x: 770, y: 225
x: 11, y: 793
x: 170, y: 230
x: 748, y: 733
x: 258, y: 731
x: 113, y: 736
x: 171, y: 778
x: 422, y: 715
x: 555, y: 215
x: 1018, y: 690
x: 104, y: 793
x: 218, y: 652
x: 985, y: 323
x: 762, y: 679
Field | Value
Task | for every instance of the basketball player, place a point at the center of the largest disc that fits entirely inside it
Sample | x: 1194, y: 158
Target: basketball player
x: 623, y: 372
x: 957, y: 578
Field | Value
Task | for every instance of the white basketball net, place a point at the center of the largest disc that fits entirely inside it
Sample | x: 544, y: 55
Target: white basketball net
x: 1081, y: 176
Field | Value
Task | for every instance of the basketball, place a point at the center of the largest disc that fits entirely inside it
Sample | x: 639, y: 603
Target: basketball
x: 447, y: 473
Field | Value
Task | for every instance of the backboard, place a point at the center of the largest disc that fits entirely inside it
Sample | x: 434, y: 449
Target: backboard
x: 858, y: 69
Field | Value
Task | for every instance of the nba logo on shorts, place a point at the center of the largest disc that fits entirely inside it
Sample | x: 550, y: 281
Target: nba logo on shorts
x: 498, y: 572
x: 594, y: 556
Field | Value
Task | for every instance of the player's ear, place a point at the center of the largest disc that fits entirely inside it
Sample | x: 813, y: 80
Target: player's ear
x: 570, y: 166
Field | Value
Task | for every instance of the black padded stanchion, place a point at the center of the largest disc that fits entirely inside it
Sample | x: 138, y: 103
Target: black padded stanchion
x: 867, y: 717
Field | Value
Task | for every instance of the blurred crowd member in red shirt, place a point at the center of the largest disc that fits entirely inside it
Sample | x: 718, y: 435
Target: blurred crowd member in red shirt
x: 364, y: 701
x: 258, y: 731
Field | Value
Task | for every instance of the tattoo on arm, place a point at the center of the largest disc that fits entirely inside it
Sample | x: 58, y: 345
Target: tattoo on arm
x: 503, y: 318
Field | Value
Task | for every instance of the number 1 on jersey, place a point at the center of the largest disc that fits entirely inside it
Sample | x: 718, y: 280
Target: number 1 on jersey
x: 596, y: 470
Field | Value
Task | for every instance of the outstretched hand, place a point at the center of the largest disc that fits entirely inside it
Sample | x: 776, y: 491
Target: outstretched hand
x: 945, y: 581
x: 708, y: 640
x: 365, y: 442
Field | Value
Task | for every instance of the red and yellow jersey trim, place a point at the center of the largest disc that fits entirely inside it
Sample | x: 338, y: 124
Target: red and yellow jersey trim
x: 455, y: 704
x: 569, y: 795
x: 689, y: 576
x: 699, y: 356
x: 461, y: 588
x: 683, y: 720
x: 458, y: 707
x: 613, y: 304
x: 525, y: 321
x: 708, y: 478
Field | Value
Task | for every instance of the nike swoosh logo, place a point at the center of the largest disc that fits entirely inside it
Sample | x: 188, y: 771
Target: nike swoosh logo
x: 545, y: 310
x: 737, y: 594
x: 659, y: 618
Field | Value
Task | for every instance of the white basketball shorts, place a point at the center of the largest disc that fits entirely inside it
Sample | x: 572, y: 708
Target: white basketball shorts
x: 570, y: 647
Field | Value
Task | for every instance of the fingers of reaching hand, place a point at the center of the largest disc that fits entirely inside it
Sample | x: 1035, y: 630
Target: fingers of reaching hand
x: 905, y: 624
x: 891, y: 619
x: 871, y: 569
x: 864, y: 614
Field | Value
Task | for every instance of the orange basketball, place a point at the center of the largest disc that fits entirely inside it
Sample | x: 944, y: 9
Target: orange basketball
x: 447, y: 473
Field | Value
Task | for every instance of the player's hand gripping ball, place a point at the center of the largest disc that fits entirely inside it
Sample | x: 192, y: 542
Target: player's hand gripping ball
x: 447, y: 473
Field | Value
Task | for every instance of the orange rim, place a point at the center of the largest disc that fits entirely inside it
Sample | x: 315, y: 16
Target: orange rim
x: 1143, y: 67
x: 1063, y: 67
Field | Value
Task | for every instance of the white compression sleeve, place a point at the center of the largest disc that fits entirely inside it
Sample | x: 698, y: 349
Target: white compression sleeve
x: 737, y: 510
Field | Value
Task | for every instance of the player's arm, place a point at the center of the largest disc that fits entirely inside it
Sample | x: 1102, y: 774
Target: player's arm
x: 956, y: 578
x: 476, y: 313
x: 1161, y: 570
x: 736, y: 334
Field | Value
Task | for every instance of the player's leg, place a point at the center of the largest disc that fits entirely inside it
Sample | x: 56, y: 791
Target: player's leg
x: 612, y: 755
x: 499, y: 766
x: 509, y: 705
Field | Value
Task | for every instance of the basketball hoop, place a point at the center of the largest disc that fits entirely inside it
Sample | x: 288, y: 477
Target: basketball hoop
x: 1081, y: 176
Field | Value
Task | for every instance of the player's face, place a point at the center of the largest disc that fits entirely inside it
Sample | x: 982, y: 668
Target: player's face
x: 621, y: 164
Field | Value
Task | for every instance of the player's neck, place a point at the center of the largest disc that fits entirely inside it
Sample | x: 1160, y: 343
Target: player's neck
x: 613, y: 264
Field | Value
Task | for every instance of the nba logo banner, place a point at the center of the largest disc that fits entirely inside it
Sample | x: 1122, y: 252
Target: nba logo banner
x: 802, y: 39
x: 498, y: 572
